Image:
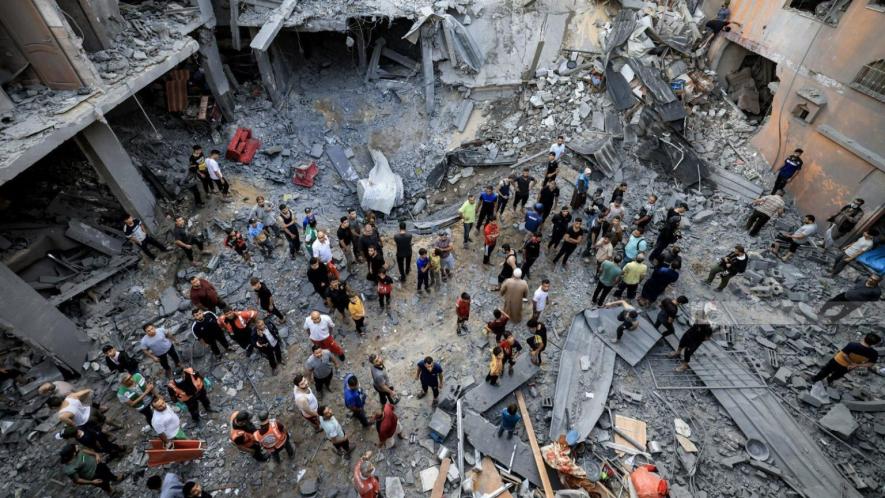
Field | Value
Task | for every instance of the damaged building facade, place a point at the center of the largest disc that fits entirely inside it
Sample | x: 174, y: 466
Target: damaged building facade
x: 829, y: 97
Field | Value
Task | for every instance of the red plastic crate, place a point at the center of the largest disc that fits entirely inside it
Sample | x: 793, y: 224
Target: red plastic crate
x: 242, y: 146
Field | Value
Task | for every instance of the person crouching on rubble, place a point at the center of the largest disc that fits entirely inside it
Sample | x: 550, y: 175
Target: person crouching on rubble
x: 237, y: 242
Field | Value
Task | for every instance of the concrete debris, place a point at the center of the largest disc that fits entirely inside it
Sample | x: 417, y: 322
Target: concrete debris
x: 840, y: 421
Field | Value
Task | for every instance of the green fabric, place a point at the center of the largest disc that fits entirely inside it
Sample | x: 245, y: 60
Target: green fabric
x: 609, y: 272
x: 468, y: 212
x: 180, y: 434
x: 83, y: 466
x: 127, y: 394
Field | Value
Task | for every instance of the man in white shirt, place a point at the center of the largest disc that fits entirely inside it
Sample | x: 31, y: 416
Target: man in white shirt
x: 322, y: 248
x: 796, y: 239
x: 306, y: 401
x: 559, y: 147
x: 135, y: 231
x: 215, y: 174
x: 319, y: 328
x: 858, y: 247
x: 166, y: 422
x: 539, y: 299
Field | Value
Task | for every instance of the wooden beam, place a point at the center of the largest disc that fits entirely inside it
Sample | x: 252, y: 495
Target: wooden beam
x: 440, y: 484
x: 274, y: 23
x: 536, y: 450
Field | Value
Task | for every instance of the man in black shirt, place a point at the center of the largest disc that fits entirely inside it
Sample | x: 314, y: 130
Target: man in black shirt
x: 524, y: 184
x: 619, y: 192
x: 628, y: 317
x: 197, y: 167
x: 560, y: 224
x: 185, y: 240
x: 403, y: 241
x: 531, y: 250
x: 552, y: 169
x: 345, y: 242
x: 548, y: 197
x: 119, y: 361
x: 189, y: 387
x: 369, y: 238
x: 669, y: 312
x: 265, y: 298
x: 207, y: 330
x: 318, y: 276
x: 853, y: 298
x: 337, y: 297
x: 853, y: 355
x: 536, y: 328
x: 732, y: 264
x: 573, y: 237
x: 289, y: 225
x: 668, y: 234
x: 690, y: 342
x: 136, y: 232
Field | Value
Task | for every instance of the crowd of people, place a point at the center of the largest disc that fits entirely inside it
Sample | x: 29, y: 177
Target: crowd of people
x: 619, y: 255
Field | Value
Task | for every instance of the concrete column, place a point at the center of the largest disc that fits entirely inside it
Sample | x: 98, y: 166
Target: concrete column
x: 28, y: 316
x: 210, y: 60
x: 113, y: 164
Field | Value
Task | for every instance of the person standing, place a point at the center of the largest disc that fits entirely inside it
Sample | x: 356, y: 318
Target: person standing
x: 364, y: 481
x: 198, y: 168
x: 306, y: 402
x: 514, y: 290
x: 851, y: 252
x: 381, y: 381
x: 84, y: 466
x: 318, y: 276
x: 267, y: 341
x: 204, y: 296
x: 533, y: 218
x: 242, y: 434
x: 462, y: 312
x: 582, y: 186
x: 165, y: 422
x: 214, y: 171
x: 853, y: 356
x: 690, y: 342
x: 508, y: 265
x: 119, y: 361
x: 573, y: 237
x: 496, y: 366
x: 497, y: 326
x: 560, y: 223
x: 186, y: 241
x: 552, y: 169
x: 646, y: 213
x: 424, y: 266
x: 346, y: 242
x: 604, y: 252
x: 430, y: 374
x: 322, y: 248
x: 387, y: 426
x: 668, y: 313
x: 338, y: 297
x: 136, y: 232
x: 334, y: 431
x: 435, y: 267
x: 524, y: 184
x: 789, y: 170
x: 632, y: 273
x: 273, y: 437
x: 384, y: 286
x: 732, y: 264
x: 491, y: 232
x: 488, y: 205
x: 369, y: 239
x: 135, y: 391
x: 669, y: 233
x: 796, y: 239
x: 265, y: 298
x: 189, y: 388
x: 319, y: 328
x: 843, y: 222
x: 310, y: 236
x: 288, y: 224
x: 537, y: 341
x: 510, y: 417
x: 608, y: 277
x: 548, y: 197
x: 539, y: 299
x: 356, y: 227
x: 376, y: 264
x: 403, y: 241
x: 511, y: 348
x: 159, y: 346
x: 851, y: 299
x: 635, y: 245
x: 764, y: 209
x: 355, y: 399
x: 467, y: 211
x: 531, y: 251
x: 320, y: 367
x: 619, y: 192
x: 239, y: 325
x: 169, y: 486
x: 616, y: 210
x: 443, y: 244
x: 558, y: 148
x: 357, y: 313
x: 662, y: 277
x: 505, y: 191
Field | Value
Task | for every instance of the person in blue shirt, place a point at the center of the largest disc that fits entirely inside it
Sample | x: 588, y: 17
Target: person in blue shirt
x: 534, y: 218
x: 509, y: 418
x: 788, y: 171
x: 582, y: 186
x: 258, y: 236
x: 308, y: 217
x: 430, y: 373
x: 488, y: 201
x: 423, y: 264
x: 355, y: 399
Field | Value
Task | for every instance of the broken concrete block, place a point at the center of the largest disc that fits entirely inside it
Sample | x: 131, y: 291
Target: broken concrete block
x: 765, y: 342
x: 703, y: 215
x: 840, y: 421
x: 170, y: 301
x: 316, y: 151
x: 807, y: 311
x: 585, y: 363
x: 393, y: 488
x: 799, y: 382
x: 782, y: 376
x: 94, y: 238
x: 807, y: 397
x: 731, y: 461
x: 536, y: 101
x: 440, y: 422
x: 428, y: 478
x: 466, y: 172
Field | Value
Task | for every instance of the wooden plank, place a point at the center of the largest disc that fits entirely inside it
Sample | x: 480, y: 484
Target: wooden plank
x: 489, y: 479
x: 440, y: 485
x: 372, y: 71
x: 274, y: 23
x: 536, y: 450
x: 636, y: 429
x: 400, y: 59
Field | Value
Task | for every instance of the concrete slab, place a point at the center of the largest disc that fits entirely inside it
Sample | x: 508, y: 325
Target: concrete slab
x: 393, y: 488
x: 342, y: 165
x: 485, y: 395
x: 877, y: 405
x: 840, y: 421
x: 634, y: 345
x: 94, y: 238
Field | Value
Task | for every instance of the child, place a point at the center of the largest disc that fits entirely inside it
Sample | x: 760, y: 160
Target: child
x: 258, y: 235
x: 236, y: 242
x: 423, y: 264
x: 310, y: 235
x: 496, y: 366
x: 536, y: 345
x: 385, y: 288
x: 462, y: 308
x: 357, y: 313
x: 498, y: 325
x: 435, y: 265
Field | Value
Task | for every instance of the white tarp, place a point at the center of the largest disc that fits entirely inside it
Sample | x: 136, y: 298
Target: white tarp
x: 383, y: 189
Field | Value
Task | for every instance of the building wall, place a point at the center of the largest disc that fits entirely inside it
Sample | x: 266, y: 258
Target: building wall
x: 812, y: 54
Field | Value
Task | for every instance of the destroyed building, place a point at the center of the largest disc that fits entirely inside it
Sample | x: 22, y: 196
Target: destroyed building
x: 400, y: 109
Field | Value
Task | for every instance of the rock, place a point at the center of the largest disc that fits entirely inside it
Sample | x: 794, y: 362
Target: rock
x: 466, y: 172
x: 139, y: 55
x: 807, y: 311
x: 808, y: 398
x: 783, y: 375
x: 419, y: 206
x: 316, y: 151
x: 839, y: 420
x: 393, y: 488
x: 536, y: 101
x: 584, y: 110
x: 703, y: 215
x: 585, y: 363
x: 308, y: 487
x: 799, y: 382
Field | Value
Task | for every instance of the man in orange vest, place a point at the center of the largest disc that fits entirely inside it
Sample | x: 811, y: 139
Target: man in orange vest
x: 239, y: 325
x: 242, y: 434
x: 188, y: 387
x: 647, y: 483
x: 273, y: 437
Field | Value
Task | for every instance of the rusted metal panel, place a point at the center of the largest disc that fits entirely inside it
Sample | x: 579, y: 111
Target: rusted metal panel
x: 35, y: 40
x: 176, y: 90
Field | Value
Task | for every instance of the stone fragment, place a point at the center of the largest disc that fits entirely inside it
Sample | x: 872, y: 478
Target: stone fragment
x: 807, y: 311
x: 807, y: 397
x: 316, y: 151
x: 703, y: 215
x: 840, y: 421
x: 585, y: 363
x: 393, y: 488
x: 782, y: 376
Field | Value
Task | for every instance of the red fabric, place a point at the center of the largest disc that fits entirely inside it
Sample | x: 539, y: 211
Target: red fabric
x: 241, y: 321
x: 206, y: 296
x: 384, y: 289
x: 369, y: 487
x: 491, y: 233
x: 648, y: 484
x: 387, y: 427
x: 330, y: 344
x: 333, y: 271
x: 462, y: 307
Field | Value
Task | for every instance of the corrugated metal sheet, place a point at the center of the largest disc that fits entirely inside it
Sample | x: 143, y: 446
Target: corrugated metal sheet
x: 618, y: 89
x: 622, y: 27
x: 651, y: 78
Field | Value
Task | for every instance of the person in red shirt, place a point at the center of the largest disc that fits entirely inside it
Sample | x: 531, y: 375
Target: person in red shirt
x: 364, y: 481
x: 384, y: 286
x: 511, y: 348
x: 491, y: 232
x: 387, y: 425
x: 204, y: 296
x: 239, y: 325
x: 462, y: 309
